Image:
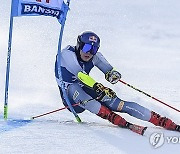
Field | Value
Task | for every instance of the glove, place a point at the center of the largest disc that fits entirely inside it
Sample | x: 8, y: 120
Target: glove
x: 113, y: 76
x: 104, y: 93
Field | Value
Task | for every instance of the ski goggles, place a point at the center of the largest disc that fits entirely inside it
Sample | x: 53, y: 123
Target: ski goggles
x: 90, y: 48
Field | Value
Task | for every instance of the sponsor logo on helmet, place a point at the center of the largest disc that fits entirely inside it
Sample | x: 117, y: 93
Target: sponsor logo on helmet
x: 93, y: 39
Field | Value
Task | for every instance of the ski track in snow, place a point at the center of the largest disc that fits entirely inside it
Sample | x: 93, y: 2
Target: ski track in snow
x: 55, y: 136
x: 139, y: 38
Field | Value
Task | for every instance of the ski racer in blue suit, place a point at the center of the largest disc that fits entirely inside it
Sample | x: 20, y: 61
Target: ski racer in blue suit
x: 76, y: 64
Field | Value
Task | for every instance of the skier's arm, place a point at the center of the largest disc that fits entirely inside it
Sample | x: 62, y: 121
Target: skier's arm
x: 102, y: 92
x: 111, y: 74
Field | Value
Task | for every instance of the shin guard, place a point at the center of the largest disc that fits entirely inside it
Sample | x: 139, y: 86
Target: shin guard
x: 114, y: 118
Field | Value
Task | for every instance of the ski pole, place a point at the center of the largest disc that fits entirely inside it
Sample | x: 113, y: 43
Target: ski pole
x: 148, y: 95
x: 34, y: 117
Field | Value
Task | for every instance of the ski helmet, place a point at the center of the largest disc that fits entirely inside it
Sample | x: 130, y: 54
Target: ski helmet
x: 88, y: 42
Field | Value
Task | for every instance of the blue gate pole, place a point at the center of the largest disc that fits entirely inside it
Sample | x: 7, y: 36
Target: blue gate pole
x: 59, y: 63
x: 8, y: 66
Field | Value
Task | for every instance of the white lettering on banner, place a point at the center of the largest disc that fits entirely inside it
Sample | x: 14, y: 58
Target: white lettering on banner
x: 34, y: 9
x: 27, y: 8
x: 41, y: 10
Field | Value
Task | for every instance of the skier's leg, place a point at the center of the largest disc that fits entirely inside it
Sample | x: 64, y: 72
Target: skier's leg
x: 114, y: 118
x: 131, y: 108
x: 142, y: 113
x: 77, y: 109
x: 76, y: 93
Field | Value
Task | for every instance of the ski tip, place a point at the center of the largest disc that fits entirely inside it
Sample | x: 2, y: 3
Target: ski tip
x: 143, y: 131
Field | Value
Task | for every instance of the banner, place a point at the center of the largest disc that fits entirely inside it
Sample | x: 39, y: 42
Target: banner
x: 54, y: 8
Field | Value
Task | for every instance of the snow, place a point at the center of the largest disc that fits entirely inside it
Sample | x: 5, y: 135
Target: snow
x: 139, y: 38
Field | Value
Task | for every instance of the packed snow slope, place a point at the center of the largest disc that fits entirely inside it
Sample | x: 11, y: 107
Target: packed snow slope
x: 139, y: 38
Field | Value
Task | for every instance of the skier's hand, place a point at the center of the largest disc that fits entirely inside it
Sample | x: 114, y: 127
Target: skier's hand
x: 104, y: 93
x: 113, y: 76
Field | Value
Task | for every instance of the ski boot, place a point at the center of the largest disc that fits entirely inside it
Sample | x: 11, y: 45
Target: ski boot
x: 164, y: 122
x: 116, y: 119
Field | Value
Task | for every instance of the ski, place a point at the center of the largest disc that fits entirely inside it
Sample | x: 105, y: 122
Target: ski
x: 146, y: 131
x: 136, y: 128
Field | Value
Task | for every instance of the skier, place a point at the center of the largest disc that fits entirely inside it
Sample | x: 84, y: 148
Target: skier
x: 76, y: 64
